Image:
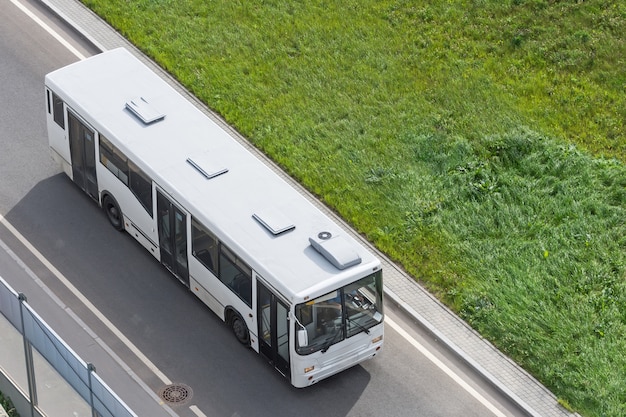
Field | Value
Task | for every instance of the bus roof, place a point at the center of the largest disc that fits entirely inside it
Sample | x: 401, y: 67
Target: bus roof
x: 294, y: 246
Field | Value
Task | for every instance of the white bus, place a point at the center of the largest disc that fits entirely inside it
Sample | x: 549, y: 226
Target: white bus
x: 290, y: 282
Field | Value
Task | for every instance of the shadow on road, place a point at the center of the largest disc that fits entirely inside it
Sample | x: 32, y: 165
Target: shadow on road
x: 185, y: 340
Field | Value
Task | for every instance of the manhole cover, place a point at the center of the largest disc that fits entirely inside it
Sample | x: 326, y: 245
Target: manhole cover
x: 175, y: 393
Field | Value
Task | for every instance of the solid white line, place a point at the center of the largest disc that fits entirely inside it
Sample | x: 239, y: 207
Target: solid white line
x: 444, y: 368
x: 85, y: 301
x: 48, y: 29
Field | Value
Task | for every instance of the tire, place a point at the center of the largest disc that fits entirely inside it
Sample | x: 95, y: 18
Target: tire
x: 113, y: 212
x: 238, y: 325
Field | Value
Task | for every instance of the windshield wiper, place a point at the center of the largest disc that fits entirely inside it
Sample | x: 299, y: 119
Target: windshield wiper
x: 365, y: 329
x: 330, y: 341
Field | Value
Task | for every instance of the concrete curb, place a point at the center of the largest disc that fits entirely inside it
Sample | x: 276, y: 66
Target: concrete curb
x: 452, y: 347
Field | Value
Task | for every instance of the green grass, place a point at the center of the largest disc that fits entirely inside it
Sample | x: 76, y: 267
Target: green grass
x: 481, y: 144
x: 7, y: 406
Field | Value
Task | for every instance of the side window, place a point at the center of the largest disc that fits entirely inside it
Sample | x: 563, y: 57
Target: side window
x: 113, y: 160
x: 141, y: 186
x: 127, y: 172
x: 204, y: 246
x: 58, y: 113
x: 236, y: 275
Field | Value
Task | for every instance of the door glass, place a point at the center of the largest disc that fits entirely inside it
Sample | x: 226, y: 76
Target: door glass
x: 180, y: 244
x: 273, y: 318
x: 90, y: 155
x: 173, y: 237
x: 265, y: 315
x: 77, y: 151
x: 165, y: 236
x: 83, y: 154
x: 282, y: 330
x: 90, y: 162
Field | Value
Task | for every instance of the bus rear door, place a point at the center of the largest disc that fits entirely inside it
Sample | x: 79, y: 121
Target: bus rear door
x: 83, y: 153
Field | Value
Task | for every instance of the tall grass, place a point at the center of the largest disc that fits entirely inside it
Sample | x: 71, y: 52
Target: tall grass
x: 481, y: 144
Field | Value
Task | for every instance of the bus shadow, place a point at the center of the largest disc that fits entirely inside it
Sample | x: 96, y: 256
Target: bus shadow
x: 172, y: 327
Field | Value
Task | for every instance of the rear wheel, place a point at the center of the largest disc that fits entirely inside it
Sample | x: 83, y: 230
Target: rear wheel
x: 113, y: 212
x: 240, y: 329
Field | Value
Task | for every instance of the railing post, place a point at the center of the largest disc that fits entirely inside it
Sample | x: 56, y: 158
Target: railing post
x: 91, y: 368
x: 28, y: 357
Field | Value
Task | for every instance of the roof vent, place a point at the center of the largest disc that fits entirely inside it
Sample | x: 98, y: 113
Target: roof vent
x: 275, y: 222
x: 337, y: 250
x: 140, y: 107
x: 324, y: 235
x: 206, y: 171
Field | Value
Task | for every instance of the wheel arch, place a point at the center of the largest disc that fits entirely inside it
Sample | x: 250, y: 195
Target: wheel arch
x: 230, y: 314
x: 107, y: 195
x: 104, y: 194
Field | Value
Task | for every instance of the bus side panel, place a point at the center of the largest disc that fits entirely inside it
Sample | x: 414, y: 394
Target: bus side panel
x: 206, y: 297
x: 141, y: 237
x: 65, y: 166
x: 217, y: 297
x: 209, y: 282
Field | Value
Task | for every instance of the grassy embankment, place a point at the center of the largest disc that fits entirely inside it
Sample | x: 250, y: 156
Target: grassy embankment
x: 481, y: 144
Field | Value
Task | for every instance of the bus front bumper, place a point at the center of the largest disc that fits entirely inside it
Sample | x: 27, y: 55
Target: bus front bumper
x: 308, y: 370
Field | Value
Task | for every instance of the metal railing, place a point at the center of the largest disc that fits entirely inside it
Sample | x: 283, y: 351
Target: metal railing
x: 81, y: 376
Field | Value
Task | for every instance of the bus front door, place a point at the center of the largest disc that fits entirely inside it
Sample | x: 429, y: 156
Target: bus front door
x: 83, y: 153
x: 173, y: 238
x: 273, y: 321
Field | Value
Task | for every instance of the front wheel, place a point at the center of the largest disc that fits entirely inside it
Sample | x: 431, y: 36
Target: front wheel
x: 240, y: 330
x: 113, y: 212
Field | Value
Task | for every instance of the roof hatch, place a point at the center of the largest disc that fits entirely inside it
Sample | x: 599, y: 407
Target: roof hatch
x: 207, y: 170
x: 336, y: 249
x: 274, y: 221
x: 140, y: 107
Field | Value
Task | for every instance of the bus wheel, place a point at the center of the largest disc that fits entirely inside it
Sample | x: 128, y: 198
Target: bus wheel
x: 113, y: 212
x: 240, y: 329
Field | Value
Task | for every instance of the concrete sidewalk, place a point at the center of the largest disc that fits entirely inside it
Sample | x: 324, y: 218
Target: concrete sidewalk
x: 496, y: 368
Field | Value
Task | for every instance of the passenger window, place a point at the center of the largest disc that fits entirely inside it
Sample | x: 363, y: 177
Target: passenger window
x: 114, y: 160
x: 58, y: 113
x: 236, y: 275
x: 141, y: 186
x: 204, y: 246
x: 127, y: 172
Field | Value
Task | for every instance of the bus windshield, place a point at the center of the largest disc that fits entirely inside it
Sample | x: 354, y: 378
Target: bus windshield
x: 340, y: 314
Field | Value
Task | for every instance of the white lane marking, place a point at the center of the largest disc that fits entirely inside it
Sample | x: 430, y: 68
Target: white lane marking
x: 48, y: 29
x: 85, y: 301
x: 197, y: 411
x: 444, y: 368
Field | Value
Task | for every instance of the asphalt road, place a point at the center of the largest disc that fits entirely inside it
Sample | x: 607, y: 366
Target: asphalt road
x: 181, y: 336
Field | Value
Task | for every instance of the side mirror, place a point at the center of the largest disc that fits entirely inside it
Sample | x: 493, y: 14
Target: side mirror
x: 303, y: 338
